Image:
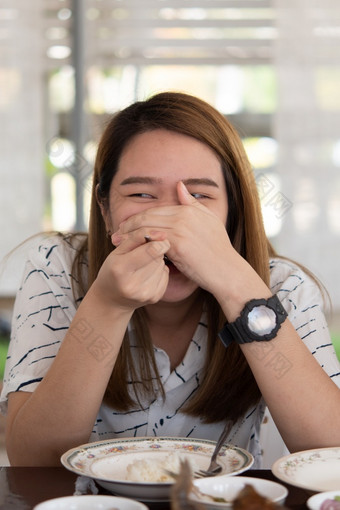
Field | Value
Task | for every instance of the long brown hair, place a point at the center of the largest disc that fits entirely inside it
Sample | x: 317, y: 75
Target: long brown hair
x: 228, y: 387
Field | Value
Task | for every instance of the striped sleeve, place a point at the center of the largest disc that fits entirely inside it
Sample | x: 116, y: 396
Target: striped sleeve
x: 304, y: 303
x: 43, y: 310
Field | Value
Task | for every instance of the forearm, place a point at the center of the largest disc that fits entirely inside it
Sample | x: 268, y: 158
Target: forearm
x: 298, y: 392
x: 302, y: 398
x: 61, y: 412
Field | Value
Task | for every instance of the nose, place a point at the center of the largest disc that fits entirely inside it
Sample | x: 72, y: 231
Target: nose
x: 169, y: 197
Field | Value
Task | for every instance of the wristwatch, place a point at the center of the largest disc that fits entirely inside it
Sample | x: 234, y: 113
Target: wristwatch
x: 259, y: 321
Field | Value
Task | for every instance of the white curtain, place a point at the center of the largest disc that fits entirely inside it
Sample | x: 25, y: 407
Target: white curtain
x: 21, y: 112
x: 307, y: 127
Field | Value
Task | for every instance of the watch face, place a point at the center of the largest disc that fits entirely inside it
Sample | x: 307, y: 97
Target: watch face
x: 261, y: 320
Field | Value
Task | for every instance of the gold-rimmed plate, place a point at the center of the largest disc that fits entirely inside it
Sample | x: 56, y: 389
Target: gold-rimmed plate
x: 315, y: 470
x: 107, y: 462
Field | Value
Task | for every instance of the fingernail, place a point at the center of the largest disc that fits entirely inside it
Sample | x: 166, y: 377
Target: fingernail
x: 184, y: 187
x: 116, y: 238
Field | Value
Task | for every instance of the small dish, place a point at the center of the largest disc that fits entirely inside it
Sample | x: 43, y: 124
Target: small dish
x: 90, y: 502
x: 228, y: 487
x: 108, y: 462
x: 314, y: 470
x: 315, y: 502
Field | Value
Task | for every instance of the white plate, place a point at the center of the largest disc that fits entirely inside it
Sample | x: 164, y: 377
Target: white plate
x: 315, y: 502
x: 89, y: 502
x: 316, y: 470
x: 228, y: 487
x: 107, y: 461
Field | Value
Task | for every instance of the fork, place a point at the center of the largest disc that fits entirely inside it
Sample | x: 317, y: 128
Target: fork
x: 214, y: 467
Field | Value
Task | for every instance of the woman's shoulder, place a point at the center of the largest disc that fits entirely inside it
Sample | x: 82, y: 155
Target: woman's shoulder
x: 58, y: 259
x: 53, y: 247
x: 51, y: 268
x: 282, y: 269
x: 295, y: 284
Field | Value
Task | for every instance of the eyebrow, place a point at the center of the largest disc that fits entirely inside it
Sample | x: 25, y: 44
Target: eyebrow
x: 140, y: 180
x: 155, y: 180
x: 204, y: 180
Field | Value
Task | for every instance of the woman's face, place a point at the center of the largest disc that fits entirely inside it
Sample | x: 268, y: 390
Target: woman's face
x: 148, y: 172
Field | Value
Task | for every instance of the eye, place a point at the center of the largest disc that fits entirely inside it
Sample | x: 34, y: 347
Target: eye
x: 198, y: 195
x: 141, y: 195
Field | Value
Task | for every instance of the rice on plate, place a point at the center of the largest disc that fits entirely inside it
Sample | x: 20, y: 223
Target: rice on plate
x: 155, y: 470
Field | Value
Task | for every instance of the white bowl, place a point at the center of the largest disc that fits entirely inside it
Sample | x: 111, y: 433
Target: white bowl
x: 90, y: 502
x: 228, y: 487
x: 315, y: 502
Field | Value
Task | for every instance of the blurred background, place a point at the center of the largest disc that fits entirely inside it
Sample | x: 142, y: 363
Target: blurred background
x: 271, y: 66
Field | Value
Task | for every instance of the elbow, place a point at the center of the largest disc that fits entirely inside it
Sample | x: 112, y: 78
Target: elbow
x: 21, y: 458
x: 22, y: 454
x: 313, y: 443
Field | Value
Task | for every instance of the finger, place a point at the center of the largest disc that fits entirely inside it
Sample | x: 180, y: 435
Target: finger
x: 136, y: 237
x: 184, y: 197
x: 157, y: 249
x: 146, y: 254
x: 152, y: 283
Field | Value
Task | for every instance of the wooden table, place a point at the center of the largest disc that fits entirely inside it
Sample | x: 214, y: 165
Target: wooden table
x: 22, y: 488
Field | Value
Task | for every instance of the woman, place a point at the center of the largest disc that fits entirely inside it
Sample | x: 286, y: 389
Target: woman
x: 118, y: 333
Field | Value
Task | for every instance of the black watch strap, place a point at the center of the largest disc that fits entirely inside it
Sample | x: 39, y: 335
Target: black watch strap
x: 238, y: 330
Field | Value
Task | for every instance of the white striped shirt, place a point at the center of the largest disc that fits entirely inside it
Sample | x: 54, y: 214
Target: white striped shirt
x: 45, y: 307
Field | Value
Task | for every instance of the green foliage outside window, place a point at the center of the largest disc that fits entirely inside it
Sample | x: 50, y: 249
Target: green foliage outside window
x: 3, y: 355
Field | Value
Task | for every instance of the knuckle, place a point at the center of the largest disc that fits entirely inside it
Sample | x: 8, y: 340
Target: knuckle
x: 154, y: 250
